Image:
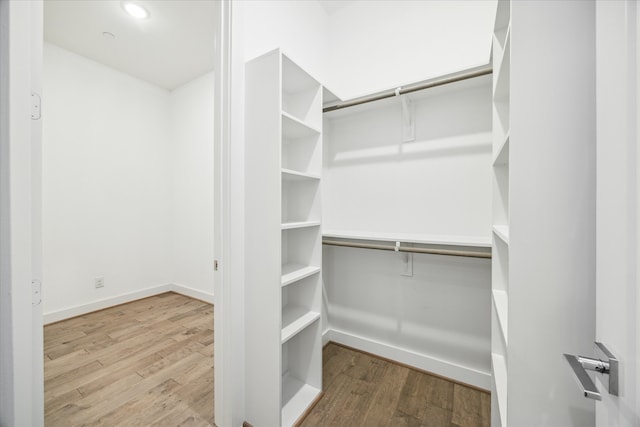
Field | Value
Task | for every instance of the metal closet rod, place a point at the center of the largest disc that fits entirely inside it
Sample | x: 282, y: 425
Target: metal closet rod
x: 449, y: 252
x: 427, y: 84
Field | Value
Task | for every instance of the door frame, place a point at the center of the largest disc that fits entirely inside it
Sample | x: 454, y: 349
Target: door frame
x: 21, y: 388
x: 21, y: 383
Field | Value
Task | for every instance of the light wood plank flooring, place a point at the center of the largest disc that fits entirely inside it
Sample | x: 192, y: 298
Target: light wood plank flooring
x: 144, y: 363
x: 364, y: 390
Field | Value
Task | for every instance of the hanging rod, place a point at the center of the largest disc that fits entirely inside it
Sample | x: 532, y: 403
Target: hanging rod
x: 427, y: 84
x: 450, y: 252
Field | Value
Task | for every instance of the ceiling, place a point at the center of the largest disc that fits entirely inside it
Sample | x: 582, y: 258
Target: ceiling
x: 174, y: 45
x: 332, y: 6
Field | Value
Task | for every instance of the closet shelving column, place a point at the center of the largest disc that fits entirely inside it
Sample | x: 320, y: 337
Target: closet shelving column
x: 500, y: 265
x: 283, y: 240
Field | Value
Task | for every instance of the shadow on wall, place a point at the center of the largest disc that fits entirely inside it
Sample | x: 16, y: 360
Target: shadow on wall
x: 449, y: 121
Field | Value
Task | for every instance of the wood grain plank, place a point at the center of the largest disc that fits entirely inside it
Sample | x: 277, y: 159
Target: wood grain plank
x: 133, y: 364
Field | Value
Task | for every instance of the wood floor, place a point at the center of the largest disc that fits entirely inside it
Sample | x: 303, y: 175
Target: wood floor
x: 148, y: 362
x: 363, y: 390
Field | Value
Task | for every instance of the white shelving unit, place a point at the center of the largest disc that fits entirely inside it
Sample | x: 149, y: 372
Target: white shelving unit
x: 283, y: 240
x: 500, y: 247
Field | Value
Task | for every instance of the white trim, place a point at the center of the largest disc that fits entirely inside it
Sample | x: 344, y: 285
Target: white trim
x: 326, y: 337
x: 67, y: 313
x: 56, y: 316
x: 193, y: 293
x: 423, y: 362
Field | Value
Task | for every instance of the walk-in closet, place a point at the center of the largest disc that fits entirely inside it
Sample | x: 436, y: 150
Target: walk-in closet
x: 413, y: 186
x: 407, y: 212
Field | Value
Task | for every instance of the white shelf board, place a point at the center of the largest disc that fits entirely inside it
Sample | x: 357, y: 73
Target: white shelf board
x: 296, y: 397
x: 502, y: 154
x: 470, y: 241
x: 294, y: 128
x: 500, y: 380
x: 299, y: 224
x: 294, y: 320
x: 499, y: 38
x: 501, y: 34
x: 291, y: 175
x: 502, y: 231
x: 501, y: 303
x: 291, y: 273
x: 501, y: 89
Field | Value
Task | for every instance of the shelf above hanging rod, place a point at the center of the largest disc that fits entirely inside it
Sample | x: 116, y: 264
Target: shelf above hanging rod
x: 411, y: 249
x: 421, y: 239
x: 426, y: 84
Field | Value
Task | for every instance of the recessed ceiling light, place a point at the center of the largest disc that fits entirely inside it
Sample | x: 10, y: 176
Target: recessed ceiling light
x: 135, y: 10
x: 108, y: 35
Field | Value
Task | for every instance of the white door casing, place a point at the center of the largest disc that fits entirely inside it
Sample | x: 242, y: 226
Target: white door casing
x: 617, y: 208
x: 21, y: 386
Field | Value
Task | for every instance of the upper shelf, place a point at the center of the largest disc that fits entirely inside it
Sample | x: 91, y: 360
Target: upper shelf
x: 469, y: 241
x: 299, y: 224
x: 502, y: 231
x: 294, y: 128
x: 291, y: 175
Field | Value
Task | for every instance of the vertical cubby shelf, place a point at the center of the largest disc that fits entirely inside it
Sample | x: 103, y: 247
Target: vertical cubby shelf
x: 500, y: 249
x: 283, y: 133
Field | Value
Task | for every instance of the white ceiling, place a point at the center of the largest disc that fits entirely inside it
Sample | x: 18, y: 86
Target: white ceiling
x: 171, y: 47
x: 332, y: 6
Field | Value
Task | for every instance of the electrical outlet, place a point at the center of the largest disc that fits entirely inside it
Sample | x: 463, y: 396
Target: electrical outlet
x: 99, y: 282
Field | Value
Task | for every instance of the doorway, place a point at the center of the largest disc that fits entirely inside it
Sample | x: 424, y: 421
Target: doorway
x: 128, y: 163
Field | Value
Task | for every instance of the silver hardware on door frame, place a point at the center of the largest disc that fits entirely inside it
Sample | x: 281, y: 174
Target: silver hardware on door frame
x: 608, y: 366
x: 35, y: 106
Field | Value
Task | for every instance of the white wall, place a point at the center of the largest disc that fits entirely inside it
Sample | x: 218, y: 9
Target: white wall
x: 376, y: 45
x: 107, y: 182
x: 372, y: 45
x: 299, y: 28
x: 128, y: 186
x: 439, y: 184
x: 437, y: 320
x: 192, y: 199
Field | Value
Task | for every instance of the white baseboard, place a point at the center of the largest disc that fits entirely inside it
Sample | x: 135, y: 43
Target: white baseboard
x: 56, y: 316
x: 193, y: 293
x: 326, y: 337
x: 423, y: 362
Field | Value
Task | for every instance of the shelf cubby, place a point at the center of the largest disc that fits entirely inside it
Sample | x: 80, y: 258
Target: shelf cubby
x: 292, y: 273
x: 300, y: 198
x: 499, y: 366
x: 283, y: 131
x: 301, y: 384
x: 301, y: 94
x: 501, y: 157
